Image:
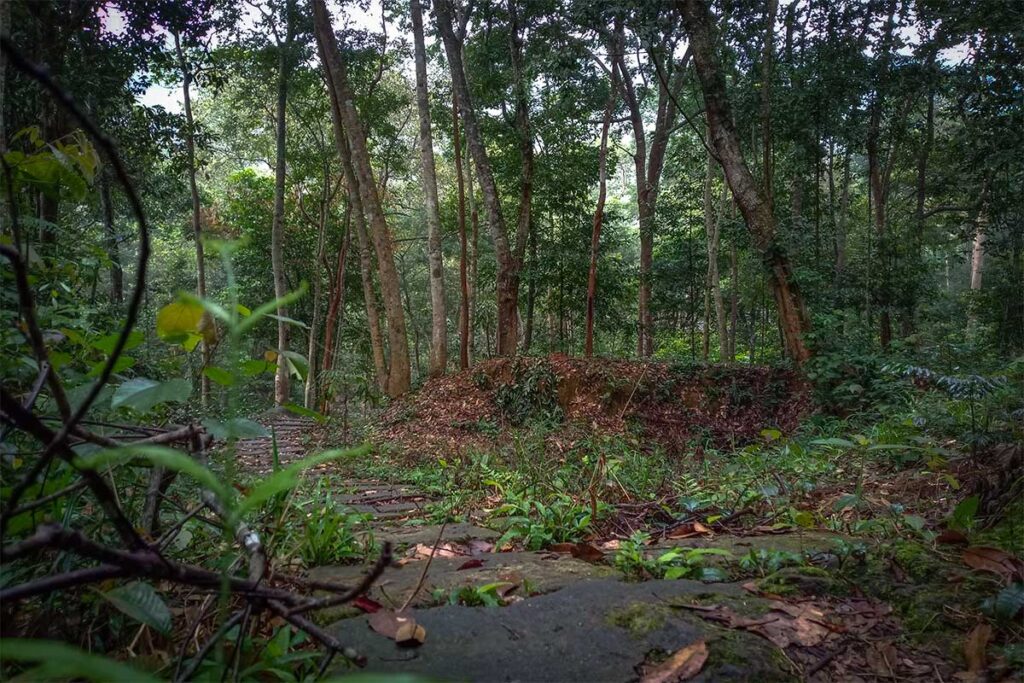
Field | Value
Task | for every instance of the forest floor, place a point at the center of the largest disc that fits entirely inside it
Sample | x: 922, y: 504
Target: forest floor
x: 512, y: 563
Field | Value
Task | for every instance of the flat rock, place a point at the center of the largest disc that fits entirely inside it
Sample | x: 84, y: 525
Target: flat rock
x: 541, y: 572
x: 427, y: 534
x: 600, y: 630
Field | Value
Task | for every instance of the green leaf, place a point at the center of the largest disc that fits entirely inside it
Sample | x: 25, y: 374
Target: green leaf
x: 106, y: 344
x: 141, y: 602
x: 268, y: 308
x: 288, y: 478
x: 914, y: 522
x: 158, y: 455
x: 803, y: 518
x: 235, y: 428
x: 297, y: 364
x: 964, y: 513
x: 304, y: 412
x: 850, y: 500
x: 219, y: 375
x: 839, y: 443
x: 122, y: 364
x: 713, y: 574
x: 1009, y: 602
x: 287, y: 320
x: 251, y: 368
x: 771, y: 434
x: 143, y: 394
x: 673, y: 573
x: 58, y: 661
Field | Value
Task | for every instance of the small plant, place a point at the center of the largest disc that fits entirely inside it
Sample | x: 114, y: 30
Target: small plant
x: 488, y: 595
x: 330, y: 535
x: 676, y: 563
x: 531, y: 393
x: 538, y: 524
x: 765, y: 561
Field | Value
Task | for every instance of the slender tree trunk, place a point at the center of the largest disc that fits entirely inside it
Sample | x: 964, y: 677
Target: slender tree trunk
x: 749, y: 197
x: 978, y: 223
x: 439, y: 318
x: 508, y: 267
x: 332, y: 326
x: 841, y: 218
x: 197, y: 226
x: 734, y: 312
x: 474, y: 258
x: 282, y: 378
x: 398, y: 377
x: 463, y: 249
x: 595, y: 235
x: 712, y: 226
x: 311, y: 392
x: 767, y: 57
x: 531, y: 289
x: 110, y: 240
x: 365, y: 258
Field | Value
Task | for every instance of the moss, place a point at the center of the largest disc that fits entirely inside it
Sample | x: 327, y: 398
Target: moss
x: 730, y: 654
x: 638, y: 618
x: 799, y: 580
x: 744, y: 606
x: 915, y: 560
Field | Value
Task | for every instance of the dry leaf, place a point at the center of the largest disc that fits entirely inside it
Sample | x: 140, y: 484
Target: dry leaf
x: 470, y: 564
x: 975, y: 647
x: 410, y: 634
x: 582, y: 551
x: 683, y: 665
x: 689, y: 531
x: 994, y: 560
x: 398, y: 626
x: 951, y: 537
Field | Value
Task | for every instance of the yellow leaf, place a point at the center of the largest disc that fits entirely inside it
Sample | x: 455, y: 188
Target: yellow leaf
x: 177, y: 321
x: 270, y: 356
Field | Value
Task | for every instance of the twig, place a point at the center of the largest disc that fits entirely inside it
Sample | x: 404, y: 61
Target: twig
x: 312, y: 629
x: 426, y: 568
x: 378, y: 568
x: 193, y: 665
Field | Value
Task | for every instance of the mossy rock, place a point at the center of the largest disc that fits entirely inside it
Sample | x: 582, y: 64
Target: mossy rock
x: 638, y: 618
x: 800, y: 581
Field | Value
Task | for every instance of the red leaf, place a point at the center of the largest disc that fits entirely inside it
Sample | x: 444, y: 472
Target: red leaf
x: 470, y: 564
x: 366, y: 604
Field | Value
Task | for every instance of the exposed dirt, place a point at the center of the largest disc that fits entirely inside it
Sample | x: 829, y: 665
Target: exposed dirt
x: 672, y: 406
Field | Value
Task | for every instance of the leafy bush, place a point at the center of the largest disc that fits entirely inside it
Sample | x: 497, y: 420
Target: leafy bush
x: 532, y: 392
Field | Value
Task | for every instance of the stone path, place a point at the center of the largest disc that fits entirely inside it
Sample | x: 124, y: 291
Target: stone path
x: 565, y: 619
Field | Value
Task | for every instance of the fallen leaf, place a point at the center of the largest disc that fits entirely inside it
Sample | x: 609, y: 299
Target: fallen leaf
x: 410, y: 634
x: 689, y: 531
x: 478, y: 547
x: 994, y: 560
x: 976, y: 646
x: 582, y: 551
x: 951, y: 537
x: 470, y: 564
x: 683, y: 665
x: 366, y: 604
x: 561, y: 547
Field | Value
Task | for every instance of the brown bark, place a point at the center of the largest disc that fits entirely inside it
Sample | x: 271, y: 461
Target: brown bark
x: 438, y: 316
x: 749, y: 197
x: 197, y: 228
x: 463, y: 255
x: 712, y: 226
x: 311, y: 393
x: 282, y: 378
x: 648, y: 163
x: 595, y: 235
x: 508, y: 266
x: 767, y: 57
x: 110, y: 241
x: 332, y: 325
x: 474, y: 254
x: 398, y: 376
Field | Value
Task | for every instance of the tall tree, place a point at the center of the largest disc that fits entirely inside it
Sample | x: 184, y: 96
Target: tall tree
x: 750, y: 197
x: 284, y: 65
x: 602, y: 192
x: 509, y: 257
x: 439, y: 318
x: 398, y: 374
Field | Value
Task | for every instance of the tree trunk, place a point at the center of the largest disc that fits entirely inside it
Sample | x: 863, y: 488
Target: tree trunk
x: 310, y: 394
x: 840, y: 219
x: 110, y: 241
x: 749, y: 197
x: 399, y: 376
x: 767, y: 56
x: 978, y: 241
x: 365, y: 259
x: 507, y: 285
x: 712, y: 226
x: 734, y: 312
x: 463, y: 249
x: 595, y: 235
x: 197, y: 227
x: 282, y: 378
x: 332, y: 326
x: 531, y: 289
x: 438, y: 316
x: 474, y: 257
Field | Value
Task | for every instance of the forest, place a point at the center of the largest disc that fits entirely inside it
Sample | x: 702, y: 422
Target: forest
x: 512, y: 340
